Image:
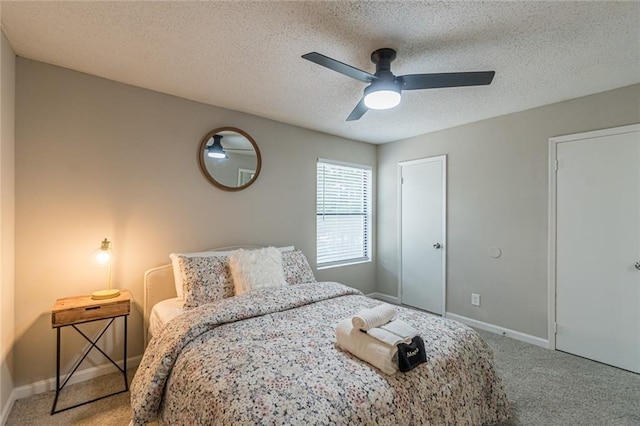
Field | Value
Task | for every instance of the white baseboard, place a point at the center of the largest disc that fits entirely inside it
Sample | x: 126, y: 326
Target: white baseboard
x: 79, y: 376
x: 384, y: 297
x: 538, y: 341
x: 7, y: 408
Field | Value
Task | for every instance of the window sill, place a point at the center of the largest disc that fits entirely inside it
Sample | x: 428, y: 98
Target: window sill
x: 346, y: 263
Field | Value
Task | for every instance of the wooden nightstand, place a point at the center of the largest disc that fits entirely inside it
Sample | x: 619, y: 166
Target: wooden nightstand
x: 71, y: 311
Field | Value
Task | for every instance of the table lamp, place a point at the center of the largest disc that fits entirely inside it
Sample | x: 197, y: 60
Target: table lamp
x: 104, y: 256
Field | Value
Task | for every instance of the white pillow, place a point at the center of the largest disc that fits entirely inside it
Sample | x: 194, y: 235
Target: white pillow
x: 177, y: 274
x: 255, y: 269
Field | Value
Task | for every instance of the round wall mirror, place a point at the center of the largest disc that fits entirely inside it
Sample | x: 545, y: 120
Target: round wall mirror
x: 229, y: 158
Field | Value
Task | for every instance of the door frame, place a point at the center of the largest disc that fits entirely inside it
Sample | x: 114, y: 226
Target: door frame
x: 443, y: 160
x: 552, y: 237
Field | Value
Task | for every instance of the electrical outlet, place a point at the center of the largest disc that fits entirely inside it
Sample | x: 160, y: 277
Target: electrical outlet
x: 475, y: 299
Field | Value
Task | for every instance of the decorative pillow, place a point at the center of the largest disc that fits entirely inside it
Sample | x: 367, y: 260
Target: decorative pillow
x: 177, y: 274
x: 205, y: 279
x: 296, y: 268
x: 256, y: 269
x: 177, y: 271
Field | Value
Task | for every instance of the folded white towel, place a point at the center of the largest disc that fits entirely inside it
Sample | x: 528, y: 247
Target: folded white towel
x: 374, y: 317
x: 394, y: 332
x: 385, y: 336
x: 400, y: 329
x: 367, y: 348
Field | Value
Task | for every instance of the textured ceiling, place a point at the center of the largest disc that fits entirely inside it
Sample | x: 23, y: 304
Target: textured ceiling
x: 245, y: 56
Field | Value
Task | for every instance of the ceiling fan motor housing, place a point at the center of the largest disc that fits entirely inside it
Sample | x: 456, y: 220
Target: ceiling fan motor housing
x: 384, y: 84
x: 383, y: 58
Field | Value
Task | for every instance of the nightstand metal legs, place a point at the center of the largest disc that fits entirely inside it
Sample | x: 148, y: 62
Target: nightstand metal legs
x: 93, y: 344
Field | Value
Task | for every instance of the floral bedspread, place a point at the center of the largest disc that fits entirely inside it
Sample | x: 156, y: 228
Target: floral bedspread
x: 269, y: 357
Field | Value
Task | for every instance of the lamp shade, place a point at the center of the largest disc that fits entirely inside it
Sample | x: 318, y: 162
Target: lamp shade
x: 104, y: 256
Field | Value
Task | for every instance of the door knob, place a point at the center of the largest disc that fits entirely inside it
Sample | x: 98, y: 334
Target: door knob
x: 638, y: 266
x: 437, y: 246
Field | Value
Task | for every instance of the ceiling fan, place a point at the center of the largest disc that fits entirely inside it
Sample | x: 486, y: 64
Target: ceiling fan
x: 216, y: 150
x: 384, y: 89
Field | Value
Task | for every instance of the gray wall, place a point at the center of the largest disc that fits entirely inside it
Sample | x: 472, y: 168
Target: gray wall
x: 7, y: 218
x: 96, y: 159
x: 497, y: 196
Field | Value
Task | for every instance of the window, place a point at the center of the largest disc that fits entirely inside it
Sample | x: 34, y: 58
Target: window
x: 343, y: 214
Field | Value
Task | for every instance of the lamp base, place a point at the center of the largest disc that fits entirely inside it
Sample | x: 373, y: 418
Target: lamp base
x: 105, y: 294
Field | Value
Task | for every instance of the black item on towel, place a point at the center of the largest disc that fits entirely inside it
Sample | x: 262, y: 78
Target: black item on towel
x: 410, y: 355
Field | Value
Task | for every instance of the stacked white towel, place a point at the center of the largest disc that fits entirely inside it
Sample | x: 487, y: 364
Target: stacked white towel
x: 394, y: 332
x: 372, y: 336
x: 367, y: 319
x: 376, y: 352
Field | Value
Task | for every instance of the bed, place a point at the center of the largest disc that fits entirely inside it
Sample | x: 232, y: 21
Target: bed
x: 268, y: 356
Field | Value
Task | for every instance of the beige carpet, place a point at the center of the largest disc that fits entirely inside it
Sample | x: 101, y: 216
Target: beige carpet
x: 544, y: 387
x: 555, y: 388
x: 112, y: 411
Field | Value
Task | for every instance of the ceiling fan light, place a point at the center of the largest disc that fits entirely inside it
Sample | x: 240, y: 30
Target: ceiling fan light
x: 216, y: 155
x: 382, y: 99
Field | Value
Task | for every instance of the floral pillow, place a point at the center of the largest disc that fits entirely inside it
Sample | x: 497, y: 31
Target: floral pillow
x: 177, y: 272
x: 296, y: 268
x: 205, y: 279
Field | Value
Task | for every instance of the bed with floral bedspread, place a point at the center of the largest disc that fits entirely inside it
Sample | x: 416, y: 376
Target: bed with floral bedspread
x: 269, y: 357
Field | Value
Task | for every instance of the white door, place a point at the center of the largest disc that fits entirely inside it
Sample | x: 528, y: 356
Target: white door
x: 598, y: 245
x: 422, y: 233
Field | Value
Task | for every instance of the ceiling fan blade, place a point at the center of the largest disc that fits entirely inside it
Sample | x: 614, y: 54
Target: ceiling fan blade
x: 340, y: 67
x: 358, y: 111
x: 451, y: 79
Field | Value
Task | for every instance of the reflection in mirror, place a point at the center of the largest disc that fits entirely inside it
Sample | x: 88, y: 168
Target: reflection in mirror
x: 229, y: 158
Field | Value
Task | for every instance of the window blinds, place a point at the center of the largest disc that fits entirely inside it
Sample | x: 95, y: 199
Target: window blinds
x: 343, y: 213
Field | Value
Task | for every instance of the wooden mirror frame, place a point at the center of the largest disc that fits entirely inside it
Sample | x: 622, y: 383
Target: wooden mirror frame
x: 203, y: 166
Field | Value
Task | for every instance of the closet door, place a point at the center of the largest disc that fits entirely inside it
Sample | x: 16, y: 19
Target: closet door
x: 422, y: 233
x: 598, y: 246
